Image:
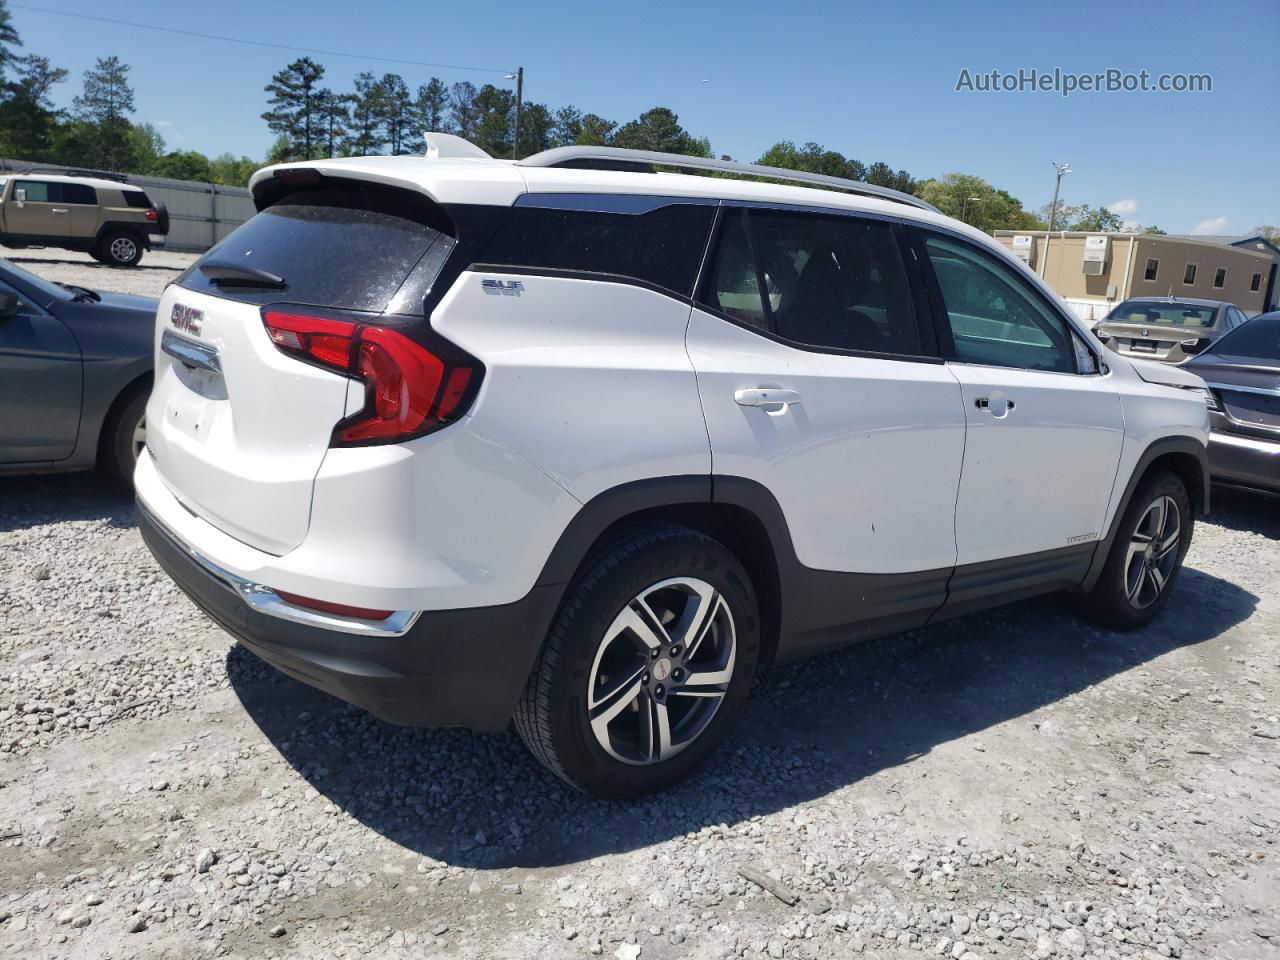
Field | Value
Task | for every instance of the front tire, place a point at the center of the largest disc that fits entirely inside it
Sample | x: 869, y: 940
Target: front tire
x: 646, y: 667
x: 1146, y: 556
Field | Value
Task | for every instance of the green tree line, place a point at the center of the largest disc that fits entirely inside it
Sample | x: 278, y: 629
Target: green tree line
x: 385, y: 115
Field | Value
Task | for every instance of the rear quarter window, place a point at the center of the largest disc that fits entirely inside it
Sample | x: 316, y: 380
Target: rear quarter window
x: 137, y: 198
x: 79, y: 193
x: 663, y: 246
x: 349, y: 250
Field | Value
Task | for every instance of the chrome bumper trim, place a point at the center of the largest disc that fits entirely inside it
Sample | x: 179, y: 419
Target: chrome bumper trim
x: 263, y: 599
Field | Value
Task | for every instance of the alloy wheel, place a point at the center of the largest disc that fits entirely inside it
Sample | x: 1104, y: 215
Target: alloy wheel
x: 123, y: 249
x: 661, y: 671
x: 1153, y: 552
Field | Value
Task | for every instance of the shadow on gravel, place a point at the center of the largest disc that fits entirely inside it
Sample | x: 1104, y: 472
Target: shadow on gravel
x: 37, y: 500
x: 1249, y: 511
x: 481, y: 801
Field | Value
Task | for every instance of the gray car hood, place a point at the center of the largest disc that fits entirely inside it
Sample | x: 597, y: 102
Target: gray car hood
x: 1166, y: 374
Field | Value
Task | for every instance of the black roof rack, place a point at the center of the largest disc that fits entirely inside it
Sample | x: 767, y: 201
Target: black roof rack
x: 96, y: 174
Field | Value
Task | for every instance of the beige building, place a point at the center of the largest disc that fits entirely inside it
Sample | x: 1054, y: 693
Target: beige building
x: 1095, y: 271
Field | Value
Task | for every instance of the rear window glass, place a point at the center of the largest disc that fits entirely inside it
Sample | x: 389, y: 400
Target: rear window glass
x: 137, y: 198
x: 77, y: 193
x: 331, y: 249
x: 662, y: 247
x: 1172, y: 314
x: 1256, y: 339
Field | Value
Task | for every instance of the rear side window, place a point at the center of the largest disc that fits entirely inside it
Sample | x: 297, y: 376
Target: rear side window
x: 137, y: 198
x: 831, y: 283
x: 347, y: 249
x: 835, y: 282
x: 662, y: 246
x: 77, y: 193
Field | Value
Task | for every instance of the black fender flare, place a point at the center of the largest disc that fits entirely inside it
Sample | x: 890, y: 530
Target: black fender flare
x: 1157, y: 448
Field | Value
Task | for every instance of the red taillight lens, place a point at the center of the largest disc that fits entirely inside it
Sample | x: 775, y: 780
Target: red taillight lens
x: 152, y: 216
x: 410, y: 389
x: 339, y: 609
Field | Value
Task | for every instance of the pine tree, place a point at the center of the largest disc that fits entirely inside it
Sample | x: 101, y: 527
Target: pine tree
x: 103, y: 105
x: 295, y: 103
x: 463, y: 115
x: 367, y: 108
x: 430, y: 107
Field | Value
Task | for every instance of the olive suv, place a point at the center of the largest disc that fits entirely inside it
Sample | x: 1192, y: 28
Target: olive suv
x: 107, y: 218
x: 582, y: 444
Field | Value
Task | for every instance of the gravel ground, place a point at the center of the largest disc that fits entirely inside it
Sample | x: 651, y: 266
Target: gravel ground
x: 63, y: 266
x: 1014, y: 784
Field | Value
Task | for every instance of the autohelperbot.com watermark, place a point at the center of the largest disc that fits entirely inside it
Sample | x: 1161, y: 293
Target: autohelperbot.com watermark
x: 1065, y: 82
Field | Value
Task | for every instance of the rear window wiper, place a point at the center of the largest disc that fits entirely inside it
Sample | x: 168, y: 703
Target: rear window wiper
x: 234, y: 275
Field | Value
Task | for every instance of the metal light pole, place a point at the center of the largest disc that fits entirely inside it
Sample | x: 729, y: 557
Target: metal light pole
x: 518, y: 77
x: 964, y: 208
x: 1062, y: 169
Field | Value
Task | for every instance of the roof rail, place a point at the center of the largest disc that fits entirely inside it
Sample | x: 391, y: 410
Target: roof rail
x: 57, y: 172
x: 619, y: 158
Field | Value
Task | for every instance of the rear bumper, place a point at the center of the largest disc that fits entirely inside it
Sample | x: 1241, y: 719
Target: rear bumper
x: 1246, y: 461
x: 452, y: 668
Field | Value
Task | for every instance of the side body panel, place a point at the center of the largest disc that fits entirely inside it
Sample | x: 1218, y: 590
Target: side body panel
x: 865, y: 467
x: 587, y: 379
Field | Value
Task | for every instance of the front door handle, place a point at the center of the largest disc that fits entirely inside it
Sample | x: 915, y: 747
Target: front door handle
x: 997, y: 405
x: 60, y: 210
x: 764, y: 397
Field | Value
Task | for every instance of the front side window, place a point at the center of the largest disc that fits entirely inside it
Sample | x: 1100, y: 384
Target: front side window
x: 1189, y: 275
x: 1258, y: 339
x: 1220, y: 278
x: 37, y: 191
x: 662, y: 246
x: 995, y: 319
x: 1153, y: 265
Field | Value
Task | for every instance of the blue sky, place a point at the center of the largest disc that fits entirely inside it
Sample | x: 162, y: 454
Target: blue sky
x: 873, y: 80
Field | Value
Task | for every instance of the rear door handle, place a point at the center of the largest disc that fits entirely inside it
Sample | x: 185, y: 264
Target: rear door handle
x: 764, y: 397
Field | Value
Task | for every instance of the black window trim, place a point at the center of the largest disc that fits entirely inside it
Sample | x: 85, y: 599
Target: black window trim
x: 703, y: 303
x: 943, y: 326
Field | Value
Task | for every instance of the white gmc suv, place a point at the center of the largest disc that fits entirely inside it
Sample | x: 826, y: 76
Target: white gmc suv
x: 584, y: 445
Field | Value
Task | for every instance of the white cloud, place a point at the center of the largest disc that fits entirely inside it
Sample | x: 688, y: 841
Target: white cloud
x: 1123, y: 208
x: 1212, y: 225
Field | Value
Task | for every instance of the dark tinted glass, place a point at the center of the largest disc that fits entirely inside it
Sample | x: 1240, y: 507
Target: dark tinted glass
x: 1256, y: 339
x: 835, y: 282
x: 663, y: 246
x: 78, y: 193
x: 137, y: 198
x: 329, y: 253
x: 732, y: 286
x: 995, y: 319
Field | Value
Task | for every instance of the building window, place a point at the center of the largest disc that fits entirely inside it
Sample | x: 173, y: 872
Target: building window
x: 1220, y: 278
x: 1152, y: 266
x: 1256, y: 283
x: 1189, y: 275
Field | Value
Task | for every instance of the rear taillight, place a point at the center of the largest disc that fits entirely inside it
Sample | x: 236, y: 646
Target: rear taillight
x: 338, y: 609
x: 412, y: 386
x: 152, y: 216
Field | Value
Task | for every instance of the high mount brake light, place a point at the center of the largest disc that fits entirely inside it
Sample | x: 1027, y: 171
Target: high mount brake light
x: 411, y: 389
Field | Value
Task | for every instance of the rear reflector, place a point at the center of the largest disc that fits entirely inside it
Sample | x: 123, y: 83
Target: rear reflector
x: 338, y: 609
x: 412, y: 385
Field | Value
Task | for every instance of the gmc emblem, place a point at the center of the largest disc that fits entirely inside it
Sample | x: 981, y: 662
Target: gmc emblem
x: 186, y: 318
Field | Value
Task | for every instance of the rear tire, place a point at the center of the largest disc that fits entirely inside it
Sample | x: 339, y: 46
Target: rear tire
x: 119, y: 249
x: 618, y: 703
x: 1146, y: 556
x: 124, y: 435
